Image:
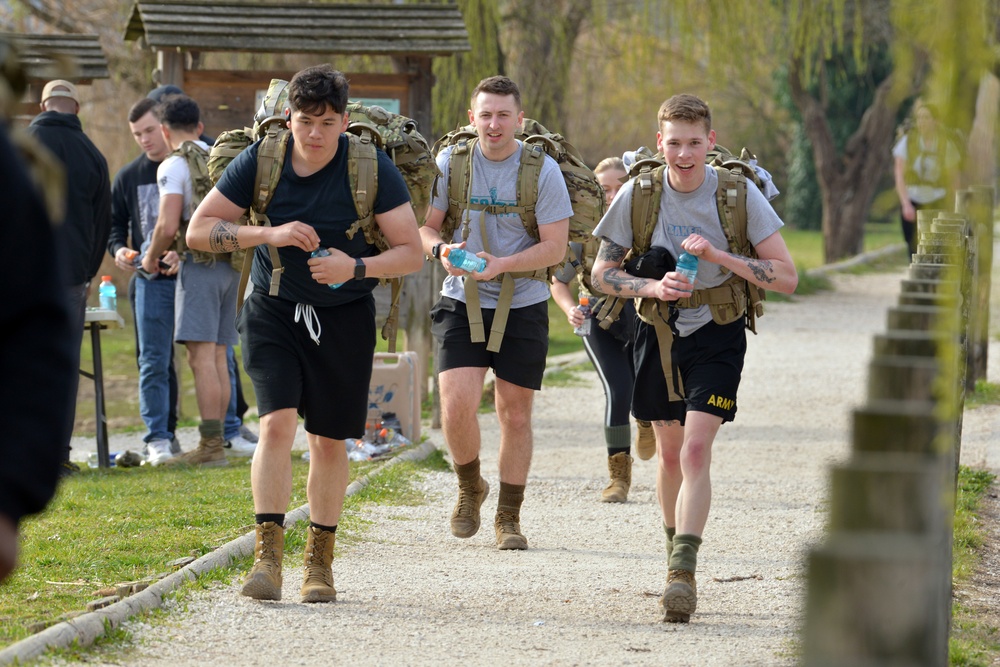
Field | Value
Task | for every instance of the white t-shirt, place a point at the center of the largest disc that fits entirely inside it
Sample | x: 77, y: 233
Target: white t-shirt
x: 174, y: 178
x: 685, y: 213
x: 496, y: 183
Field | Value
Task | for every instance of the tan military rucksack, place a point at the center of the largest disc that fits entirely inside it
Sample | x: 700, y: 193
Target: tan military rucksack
x: 369, y: 128
x: 585, y: 193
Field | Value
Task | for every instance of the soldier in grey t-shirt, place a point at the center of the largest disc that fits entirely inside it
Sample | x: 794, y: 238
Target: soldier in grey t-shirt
x: 472, y: 304
x: 706, y: 357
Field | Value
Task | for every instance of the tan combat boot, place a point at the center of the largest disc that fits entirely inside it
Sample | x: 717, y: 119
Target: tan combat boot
x: 317, y: 583
x: 465, y: 517
x: 645, y: 440
x: 508, y: 529
x: 210, y: 453
x: 264, y: 580
x: 620, y: 469
x: 680, y: 598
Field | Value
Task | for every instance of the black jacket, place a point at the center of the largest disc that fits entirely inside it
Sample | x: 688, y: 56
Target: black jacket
x: 36, y: 346
x: 84, y: 232
x: 134, y: 204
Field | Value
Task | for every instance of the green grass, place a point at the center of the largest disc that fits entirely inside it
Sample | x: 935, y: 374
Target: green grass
x: 986, y: 393
x: 972, y: 643
x: 111, y: 526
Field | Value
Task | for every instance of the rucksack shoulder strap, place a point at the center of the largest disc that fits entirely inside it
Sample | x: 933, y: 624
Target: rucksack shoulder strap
x: 270, y: 161
x: 362, y: 171
x: 647, y: 191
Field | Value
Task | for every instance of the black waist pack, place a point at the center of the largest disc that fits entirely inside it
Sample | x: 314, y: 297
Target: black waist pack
x: 655, y: 263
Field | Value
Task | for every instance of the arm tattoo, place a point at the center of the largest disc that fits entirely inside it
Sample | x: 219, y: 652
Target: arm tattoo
x: 614, y: 279
x: 222, y: 238
x: 610, y: 251
x: 762, y: 269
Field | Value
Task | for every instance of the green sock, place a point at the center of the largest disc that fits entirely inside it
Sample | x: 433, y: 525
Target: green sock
x: 618, y: 438
x: 670, y: 531
x: 210, y: 428
x: 684, y: 555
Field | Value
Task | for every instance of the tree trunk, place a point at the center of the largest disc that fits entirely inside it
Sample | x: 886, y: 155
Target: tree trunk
x: 538, y: 40
x: 848, y: 181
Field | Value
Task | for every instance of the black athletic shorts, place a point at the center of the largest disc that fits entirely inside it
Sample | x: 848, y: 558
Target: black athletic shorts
x: 327, y: 383
x: 521, y: 359
x: 710, y: 362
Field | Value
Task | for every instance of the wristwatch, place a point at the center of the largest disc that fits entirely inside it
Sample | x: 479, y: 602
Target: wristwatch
x: 359, y: 268
x: 436, y: 250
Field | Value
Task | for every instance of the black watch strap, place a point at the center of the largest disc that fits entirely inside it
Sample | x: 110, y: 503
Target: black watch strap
x: 436, y: 250
x: 359, y: 268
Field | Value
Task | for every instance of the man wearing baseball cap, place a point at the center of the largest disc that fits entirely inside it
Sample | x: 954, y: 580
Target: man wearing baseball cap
x: 84, y: 232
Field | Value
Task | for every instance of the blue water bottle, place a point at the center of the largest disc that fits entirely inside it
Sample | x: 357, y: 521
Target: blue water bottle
x: 323, y: 252
x: 108, y: 295
x: 687, y: 266
x: 461, y: 259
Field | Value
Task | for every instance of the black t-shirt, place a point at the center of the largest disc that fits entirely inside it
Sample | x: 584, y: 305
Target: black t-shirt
x: 325, y: 201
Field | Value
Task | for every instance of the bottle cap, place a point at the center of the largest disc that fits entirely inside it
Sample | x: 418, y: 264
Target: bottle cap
x: 445, y: 251
x: 584, y: 300
x: 106, y: 279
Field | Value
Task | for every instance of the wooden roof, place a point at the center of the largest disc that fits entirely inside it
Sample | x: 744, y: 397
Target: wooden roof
x: 383, y: 29
x: 44, y: 57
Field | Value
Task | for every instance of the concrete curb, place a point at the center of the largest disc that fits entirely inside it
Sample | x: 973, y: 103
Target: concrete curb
x: 86, y: 628
x: 858, y: 260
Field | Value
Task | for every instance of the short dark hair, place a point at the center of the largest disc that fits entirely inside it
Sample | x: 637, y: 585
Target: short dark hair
x: 179, y: 112
x: 687, y: 108
x: 141, y: 108
x: 497, y: 85
x: 315, y: 88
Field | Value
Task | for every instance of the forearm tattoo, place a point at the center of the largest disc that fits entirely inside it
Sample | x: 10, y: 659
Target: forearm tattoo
x: 762, y: 269
x: 614, y: 279
x: 222, y: 238
x: 610, y: 251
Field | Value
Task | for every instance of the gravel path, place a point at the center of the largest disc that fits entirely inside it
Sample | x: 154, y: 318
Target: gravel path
x: 586, y: 591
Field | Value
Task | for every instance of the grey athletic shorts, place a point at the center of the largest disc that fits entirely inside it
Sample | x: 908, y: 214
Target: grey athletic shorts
x: 205, y: 305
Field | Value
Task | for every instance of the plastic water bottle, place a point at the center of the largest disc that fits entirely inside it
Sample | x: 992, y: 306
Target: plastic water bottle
x: 584, y: 328
x: 687, y: 266
x: 464, y: 260
x: 323, y: 252
x: 108, y: 294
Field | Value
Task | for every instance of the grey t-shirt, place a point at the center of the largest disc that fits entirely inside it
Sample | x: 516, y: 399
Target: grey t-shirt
x: 683, y: 214
x: 496, y: 183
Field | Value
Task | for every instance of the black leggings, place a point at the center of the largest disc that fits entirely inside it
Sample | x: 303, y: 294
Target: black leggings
x: 611, y: 353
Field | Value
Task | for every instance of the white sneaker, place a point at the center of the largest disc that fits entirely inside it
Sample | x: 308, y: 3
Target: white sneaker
x: 159, y: 451
x: 240, y: 445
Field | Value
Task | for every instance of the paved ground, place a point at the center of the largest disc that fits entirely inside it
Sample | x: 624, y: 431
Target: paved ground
x: 586, y: 592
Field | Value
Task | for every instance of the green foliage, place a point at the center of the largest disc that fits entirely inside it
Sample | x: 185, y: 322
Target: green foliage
x: 972, y: 643
x: 458, y: 74
x: 986, y: 393
x: 111, y: 526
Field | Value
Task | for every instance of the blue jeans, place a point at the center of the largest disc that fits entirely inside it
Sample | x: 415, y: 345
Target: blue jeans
x: 231, y: 428
x: 154, y: 322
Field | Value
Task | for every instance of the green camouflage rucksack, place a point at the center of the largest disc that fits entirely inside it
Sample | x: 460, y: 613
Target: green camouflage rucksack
x: 585, y: 193
x: 369, y: 128
x: 736, y: 297
x: 196, y: 158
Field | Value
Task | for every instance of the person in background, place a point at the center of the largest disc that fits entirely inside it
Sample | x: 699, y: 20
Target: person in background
x: 238, y: 437
x: 39, y: 354
x: 84, y: 231
x: 926, y: 169
x: 610, y: 350
x: 205, y: 300
x: 134, y: 208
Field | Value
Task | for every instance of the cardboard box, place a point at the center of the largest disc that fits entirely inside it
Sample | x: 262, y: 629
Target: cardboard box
x: 394, y: 388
